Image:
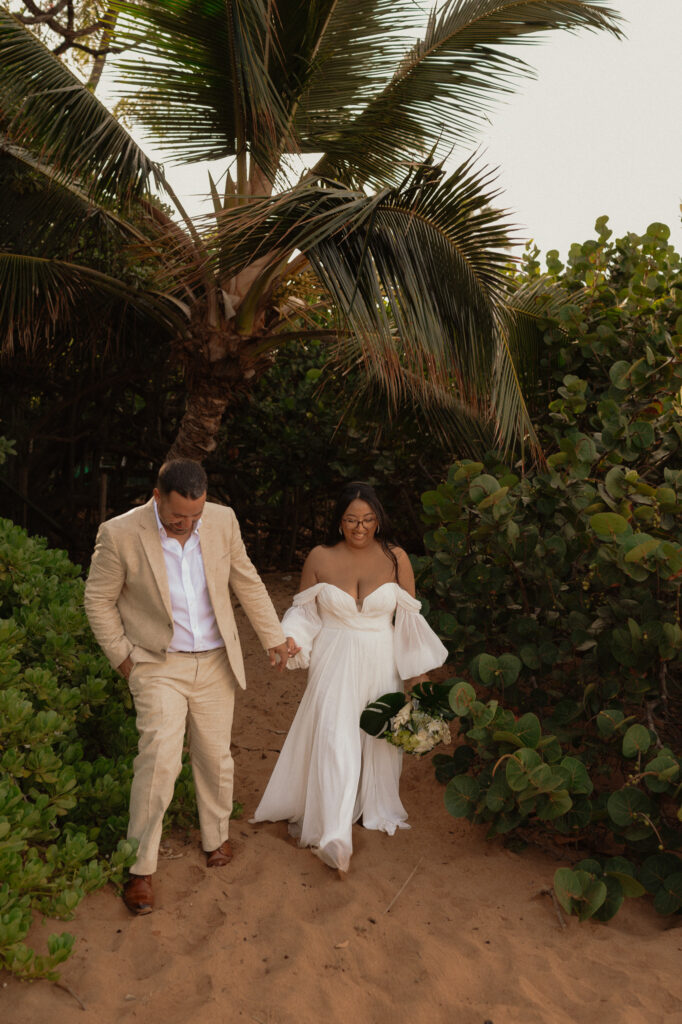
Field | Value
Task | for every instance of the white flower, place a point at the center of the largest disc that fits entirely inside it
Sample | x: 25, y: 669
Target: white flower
x: 402, y: 718
x: 439, y: 731
x: 416, y: 731
x: 425, y: 742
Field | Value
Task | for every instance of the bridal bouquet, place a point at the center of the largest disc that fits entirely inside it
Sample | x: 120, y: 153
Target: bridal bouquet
x: 414, y: 722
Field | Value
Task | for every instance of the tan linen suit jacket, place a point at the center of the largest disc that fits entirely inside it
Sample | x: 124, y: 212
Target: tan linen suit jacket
x: 127, y: 598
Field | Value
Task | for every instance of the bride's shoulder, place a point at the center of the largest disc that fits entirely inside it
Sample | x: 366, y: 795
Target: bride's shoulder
x: 405, y: 573
x: 313, y: 567
x: 400, y: 555
x: 316, y: 557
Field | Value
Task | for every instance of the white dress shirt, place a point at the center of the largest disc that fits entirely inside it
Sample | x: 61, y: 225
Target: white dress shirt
x: 194, y: 623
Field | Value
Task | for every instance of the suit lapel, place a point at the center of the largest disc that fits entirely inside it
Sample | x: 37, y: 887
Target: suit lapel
x: 208, y: 546
x: 151, y: 542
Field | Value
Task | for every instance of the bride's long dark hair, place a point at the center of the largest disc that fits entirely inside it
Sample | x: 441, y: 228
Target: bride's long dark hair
x: 363, y: 492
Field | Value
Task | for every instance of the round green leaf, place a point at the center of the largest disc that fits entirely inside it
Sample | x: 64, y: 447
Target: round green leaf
x: 549, y: 652
x: 447, y: 624
x: 636, y: 740
x: 506, y: 823
x: 485, y: 667
x: 656, y: 869
x: 498, y: 793
x: 566, y: 887
x: 593, y: 896
x: 528, y: 730
x: 566, y: 711
x: 579, y: 892
x: 631, y: 887
x: 615, y: 482
x: 461, y: 796
x: 462, y: 696
x: 529, y: 656
x: 624, y: 804
x: 519, y: 766
x: 615, y: 897
x: 544, y: 779
x: 643, y: 547
x: 576, y: 776
x: 482, y: 486
x: 619, y: 374
x: 577, y: 818
x: 507, y: 736
x: 668, y: 899
x: 466, y: 470
x: 482, y: 714
x: 608, y: 524
x: 555, y: 805
x: 509, y: 666
x: 593, y: 866
x: 667, y: 771
x: 492, y: 499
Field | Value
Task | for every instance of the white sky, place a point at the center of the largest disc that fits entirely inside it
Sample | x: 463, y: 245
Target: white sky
x: 598, y: 132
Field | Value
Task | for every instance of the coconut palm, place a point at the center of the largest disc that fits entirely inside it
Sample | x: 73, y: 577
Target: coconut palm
x: 334, y: 121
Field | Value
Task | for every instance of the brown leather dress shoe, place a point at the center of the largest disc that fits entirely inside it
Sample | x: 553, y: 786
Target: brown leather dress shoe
x: 220, y: 857
x: 137, y: 894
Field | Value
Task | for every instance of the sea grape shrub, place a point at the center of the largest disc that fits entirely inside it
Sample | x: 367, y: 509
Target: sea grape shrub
x: 557, y: 589
x: 516, y: 776
x: 67, y: 739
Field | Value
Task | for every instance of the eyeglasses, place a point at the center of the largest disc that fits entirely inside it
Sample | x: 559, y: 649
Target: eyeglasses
x: 366, y: 521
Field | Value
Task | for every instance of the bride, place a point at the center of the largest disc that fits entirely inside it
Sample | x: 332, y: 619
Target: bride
x: 359, y: 629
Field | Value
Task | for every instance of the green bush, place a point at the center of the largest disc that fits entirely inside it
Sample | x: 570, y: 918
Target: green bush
x: 558, y: 590
x: 67, y: 739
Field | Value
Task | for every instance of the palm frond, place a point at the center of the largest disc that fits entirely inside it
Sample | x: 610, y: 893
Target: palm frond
x: 199, y: 78
x: 43, y: 213
x: 417, y: 274
x: 46, y: 109
x: 446, y: 84
x: 336, y: 59
x: 463, y: 430
x: 93, y: 306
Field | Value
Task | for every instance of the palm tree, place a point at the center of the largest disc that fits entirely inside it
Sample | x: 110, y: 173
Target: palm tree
x: 335, y: 128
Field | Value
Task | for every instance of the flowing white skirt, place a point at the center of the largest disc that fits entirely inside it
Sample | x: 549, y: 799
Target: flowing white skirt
x: 330, y: 773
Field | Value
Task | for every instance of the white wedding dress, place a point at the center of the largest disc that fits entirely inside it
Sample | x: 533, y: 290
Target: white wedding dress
x: 330, y: 773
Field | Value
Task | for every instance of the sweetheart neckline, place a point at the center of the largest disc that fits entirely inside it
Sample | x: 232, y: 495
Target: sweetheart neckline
x: 389, y: 583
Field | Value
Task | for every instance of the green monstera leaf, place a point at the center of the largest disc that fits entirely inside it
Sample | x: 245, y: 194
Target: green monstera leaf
x: 376, y: 716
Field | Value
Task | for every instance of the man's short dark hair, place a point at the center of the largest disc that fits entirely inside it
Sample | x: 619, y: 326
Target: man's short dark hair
x: 185, y: 476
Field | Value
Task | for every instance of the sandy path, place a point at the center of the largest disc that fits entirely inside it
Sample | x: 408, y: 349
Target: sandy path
x: 276, y: 938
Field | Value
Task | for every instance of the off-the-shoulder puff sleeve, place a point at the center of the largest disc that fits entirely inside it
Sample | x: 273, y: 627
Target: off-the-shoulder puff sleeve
x: 417, y: 648
x: 302, y: 622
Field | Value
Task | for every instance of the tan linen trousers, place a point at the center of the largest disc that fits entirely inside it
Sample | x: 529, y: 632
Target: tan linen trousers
x: 196, y: 690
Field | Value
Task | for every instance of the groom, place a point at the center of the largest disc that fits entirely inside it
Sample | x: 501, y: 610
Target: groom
x: 158, y: 602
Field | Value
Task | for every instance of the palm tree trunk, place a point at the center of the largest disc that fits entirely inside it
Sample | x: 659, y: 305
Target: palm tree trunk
x: 217, y: 365
x: 204, y: 409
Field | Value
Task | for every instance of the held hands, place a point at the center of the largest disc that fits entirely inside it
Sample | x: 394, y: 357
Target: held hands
x: 280, y: 655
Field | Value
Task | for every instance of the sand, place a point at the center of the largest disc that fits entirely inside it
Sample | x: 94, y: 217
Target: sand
x: 276, y: 937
